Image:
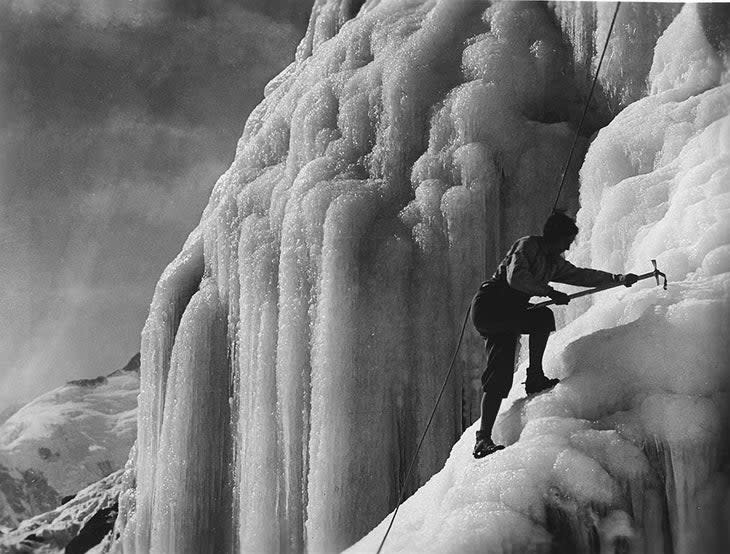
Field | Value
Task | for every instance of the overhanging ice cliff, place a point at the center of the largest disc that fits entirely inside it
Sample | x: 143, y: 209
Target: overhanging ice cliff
x: 295, y: 347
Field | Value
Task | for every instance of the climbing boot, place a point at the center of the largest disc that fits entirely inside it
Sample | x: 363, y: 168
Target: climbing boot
x: 485, y: 445
x: 538, y: 383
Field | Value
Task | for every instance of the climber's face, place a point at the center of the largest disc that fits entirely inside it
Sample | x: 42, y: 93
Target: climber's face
x: 564, y: 243
x: 560, y: 244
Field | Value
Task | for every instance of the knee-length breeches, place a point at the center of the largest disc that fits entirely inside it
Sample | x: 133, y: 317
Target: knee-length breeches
x: 501, y: 315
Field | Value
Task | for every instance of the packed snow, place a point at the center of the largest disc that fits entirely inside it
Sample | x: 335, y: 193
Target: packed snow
x: 295, y: 347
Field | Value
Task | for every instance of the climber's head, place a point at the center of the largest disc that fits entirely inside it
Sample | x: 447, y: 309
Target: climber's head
x: 559, y: 232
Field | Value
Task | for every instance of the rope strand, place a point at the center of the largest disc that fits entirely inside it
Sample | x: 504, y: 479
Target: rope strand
x: 585, y: 108
x: 423, y: 435
x: 466, y: 316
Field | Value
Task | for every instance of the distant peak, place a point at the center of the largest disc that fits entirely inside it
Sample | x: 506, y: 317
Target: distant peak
x: 132, y: 365
x: 101, y: 380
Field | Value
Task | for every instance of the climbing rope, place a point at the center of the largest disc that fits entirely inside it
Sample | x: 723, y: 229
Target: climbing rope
x: 423, y: 435
x: 585, y: 108
x: 466, y: 316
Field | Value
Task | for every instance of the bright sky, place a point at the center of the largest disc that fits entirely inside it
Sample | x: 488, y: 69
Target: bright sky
x: 116, y: 118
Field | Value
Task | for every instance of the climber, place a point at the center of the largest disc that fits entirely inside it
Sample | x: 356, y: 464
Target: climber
x: 500, y: 313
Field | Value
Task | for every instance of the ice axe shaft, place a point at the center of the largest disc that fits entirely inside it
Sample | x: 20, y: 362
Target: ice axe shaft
x: 656, y: 274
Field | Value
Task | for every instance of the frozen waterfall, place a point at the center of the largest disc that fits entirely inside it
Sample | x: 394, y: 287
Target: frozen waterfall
x: 295, y: 347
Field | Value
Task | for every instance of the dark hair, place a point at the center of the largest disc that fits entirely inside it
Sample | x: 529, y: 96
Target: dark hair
x: 559, y: 225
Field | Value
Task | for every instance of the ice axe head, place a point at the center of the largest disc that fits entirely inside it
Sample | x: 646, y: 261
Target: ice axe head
x: 658, y: 274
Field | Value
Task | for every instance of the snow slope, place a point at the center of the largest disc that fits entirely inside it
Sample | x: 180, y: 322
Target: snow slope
x: 295, y: 346
x: 65, y: 440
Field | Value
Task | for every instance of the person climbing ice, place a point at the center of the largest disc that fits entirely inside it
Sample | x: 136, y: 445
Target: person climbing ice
x: 500, y: 313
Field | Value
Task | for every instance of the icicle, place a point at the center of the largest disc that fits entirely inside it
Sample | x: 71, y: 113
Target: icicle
x: 192, y: 495
x: 172, y: 295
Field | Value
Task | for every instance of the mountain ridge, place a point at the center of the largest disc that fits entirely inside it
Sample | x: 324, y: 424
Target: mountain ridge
x: 66, y: 439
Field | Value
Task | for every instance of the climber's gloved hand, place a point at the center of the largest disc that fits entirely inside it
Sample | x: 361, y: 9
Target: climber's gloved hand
x: 560, y: 298
x: 629, y: 279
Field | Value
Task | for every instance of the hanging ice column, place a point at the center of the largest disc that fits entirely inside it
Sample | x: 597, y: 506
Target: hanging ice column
x: 294, y: 349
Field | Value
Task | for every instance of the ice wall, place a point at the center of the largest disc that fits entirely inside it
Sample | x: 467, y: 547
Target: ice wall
x: 294, y: 348
x: 629, y: 452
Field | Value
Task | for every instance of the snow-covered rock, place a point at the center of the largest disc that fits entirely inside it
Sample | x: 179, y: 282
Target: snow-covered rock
x: 9, y: 411
x: 76, y: 526
x: 65, y: 440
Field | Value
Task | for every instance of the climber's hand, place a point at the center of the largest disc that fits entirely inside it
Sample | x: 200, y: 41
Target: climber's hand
x: 629, y: 279
x: 560, y: 298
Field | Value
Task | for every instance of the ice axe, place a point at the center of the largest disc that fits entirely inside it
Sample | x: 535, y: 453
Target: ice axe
x: 656, y: 274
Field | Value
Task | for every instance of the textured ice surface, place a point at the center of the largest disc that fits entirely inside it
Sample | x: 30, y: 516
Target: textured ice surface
x: 377, y: 184
x: 632, y: 444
